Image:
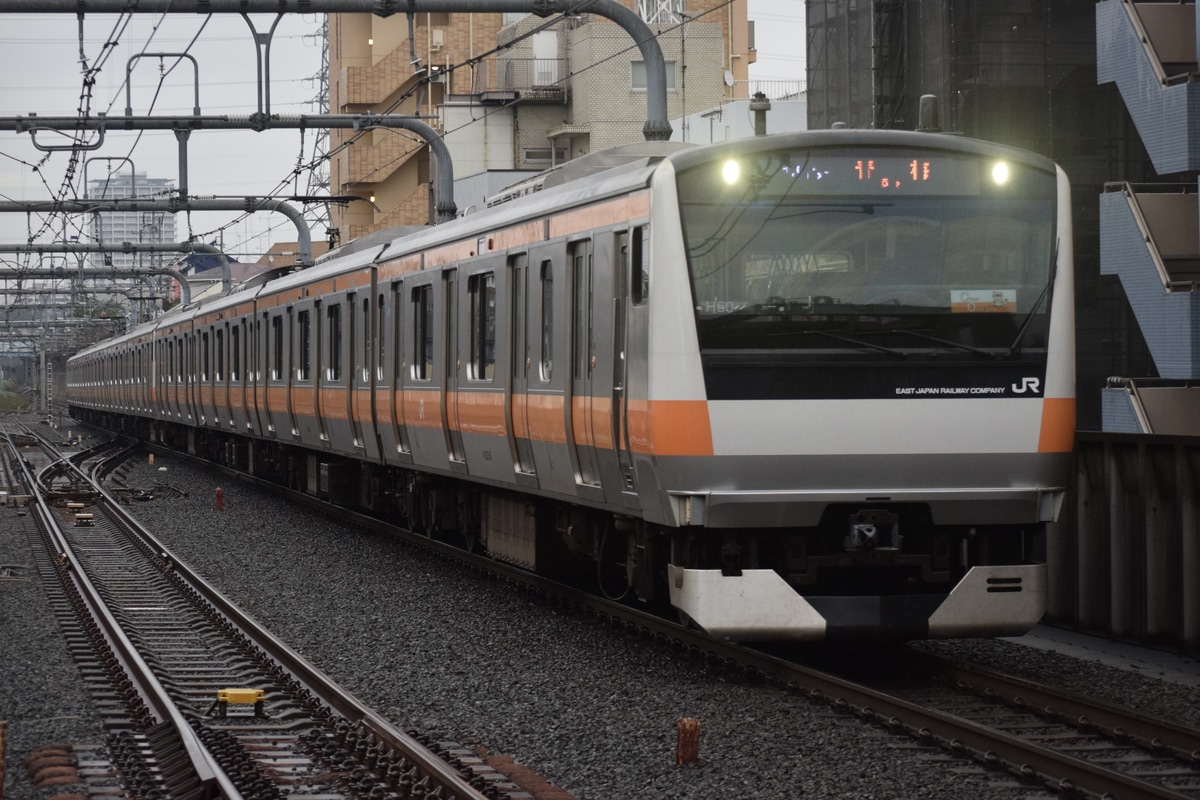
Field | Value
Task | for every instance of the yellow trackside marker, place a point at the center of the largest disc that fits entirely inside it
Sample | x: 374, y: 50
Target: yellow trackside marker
x: 241, y: 697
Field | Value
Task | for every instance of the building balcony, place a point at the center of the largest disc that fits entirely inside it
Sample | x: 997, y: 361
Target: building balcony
x: 530, y: 80
x: 1149, y: 51
x: 1150, y: 239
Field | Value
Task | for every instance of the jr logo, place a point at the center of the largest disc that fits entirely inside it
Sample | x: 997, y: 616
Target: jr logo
x: 1027, y: 384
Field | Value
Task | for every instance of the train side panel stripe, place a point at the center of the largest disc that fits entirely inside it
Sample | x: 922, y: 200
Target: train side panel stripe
x: 670, y: 428
x: 1058, y: 425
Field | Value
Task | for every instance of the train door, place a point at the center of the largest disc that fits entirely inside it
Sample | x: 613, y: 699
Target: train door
x: 583, y: 362
x: 262, y: 371
x: 397, y: 363
x: 517, y: 405
x: 423, y: 415
x: 335, y: 370
x: 191, y: 376
x: 363, y: 379
x: 304, y: 322
x: 450, y: 421
x: 358, y: 381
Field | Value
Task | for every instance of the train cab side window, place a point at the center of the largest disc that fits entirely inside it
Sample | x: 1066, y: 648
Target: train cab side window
x: 547, y: 315
x: 639, y: 283
x: 333, y: 315
x: 277, y: 347
x: 422, y: 312
x: 481, y: 290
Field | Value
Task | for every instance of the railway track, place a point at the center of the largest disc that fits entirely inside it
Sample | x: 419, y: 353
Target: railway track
x: 1042, y: 738
x: 198, y: 700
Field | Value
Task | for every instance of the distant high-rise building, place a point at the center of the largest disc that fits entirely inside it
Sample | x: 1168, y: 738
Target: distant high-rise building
x: 144, y: 227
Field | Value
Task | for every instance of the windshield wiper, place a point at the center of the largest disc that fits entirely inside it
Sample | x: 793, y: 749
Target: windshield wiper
x: 848, y: 339
x: 956, y: 345
x: 1012, y: 348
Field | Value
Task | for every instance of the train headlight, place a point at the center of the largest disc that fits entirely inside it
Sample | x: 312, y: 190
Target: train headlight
x: 731, y: 171
x: 1000, y: 173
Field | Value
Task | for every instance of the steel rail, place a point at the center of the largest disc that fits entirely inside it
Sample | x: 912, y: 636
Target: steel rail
x: 440, y: 773
x: 1027, y: 760
x: 208, y: 772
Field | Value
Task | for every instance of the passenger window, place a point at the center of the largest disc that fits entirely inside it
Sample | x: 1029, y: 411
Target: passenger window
x: 235, y: 354
x: 547, y: 359
x: 220, y: 355
x: 304, y: 343
x: 381, y: 339
x: 422, y: 308
x: 581, y: 255
x: 334, y: 317
x: 277, y: 349
x: 482, y: 296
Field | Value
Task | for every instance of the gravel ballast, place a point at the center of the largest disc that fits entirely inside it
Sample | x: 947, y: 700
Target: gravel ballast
x: 440, y: 649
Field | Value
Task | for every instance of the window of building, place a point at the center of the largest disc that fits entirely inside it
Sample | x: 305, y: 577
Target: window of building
x: 638, y: 76
x: 540, y: 155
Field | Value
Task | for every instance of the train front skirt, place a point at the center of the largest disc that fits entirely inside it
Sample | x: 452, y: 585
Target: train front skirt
x: 759, y: 604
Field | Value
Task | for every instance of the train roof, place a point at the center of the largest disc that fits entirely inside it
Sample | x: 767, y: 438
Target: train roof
x: 594, y: 176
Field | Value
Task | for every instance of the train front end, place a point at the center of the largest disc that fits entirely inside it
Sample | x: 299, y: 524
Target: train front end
x: 858, y: 385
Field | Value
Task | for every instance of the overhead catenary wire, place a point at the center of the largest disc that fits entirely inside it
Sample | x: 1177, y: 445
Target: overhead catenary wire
x: 307, y: 165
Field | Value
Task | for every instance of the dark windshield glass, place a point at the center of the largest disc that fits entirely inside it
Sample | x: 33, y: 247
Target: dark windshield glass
x: 826, y: 248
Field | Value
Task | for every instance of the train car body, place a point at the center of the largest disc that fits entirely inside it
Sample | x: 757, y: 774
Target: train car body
x: 806, y: 386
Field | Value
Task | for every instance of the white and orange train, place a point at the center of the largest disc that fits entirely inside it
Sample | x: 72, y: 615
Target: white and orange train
x: 807, y: 386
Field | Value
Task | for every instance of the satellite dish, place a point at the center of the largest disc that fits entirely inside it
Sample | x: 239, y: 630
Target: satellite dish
x: 728, y: 78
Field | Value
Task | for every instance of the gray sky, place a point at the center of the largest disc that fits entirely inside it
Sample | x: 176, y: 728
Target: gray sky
x: 41, y: 72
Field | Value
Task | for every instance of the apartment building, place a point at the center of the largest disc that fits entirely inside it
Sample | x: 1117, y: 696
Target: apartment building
x: 511, y: 94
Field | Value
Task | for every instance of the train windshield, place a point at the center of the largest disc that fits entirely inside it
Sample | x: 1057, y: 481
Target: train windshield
x: 834, y: 248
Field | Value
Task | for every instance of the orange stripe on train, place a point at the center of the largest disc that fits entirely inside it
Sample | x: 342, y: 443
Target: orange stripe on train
x: 1058, y: 425
x: 670, y: 428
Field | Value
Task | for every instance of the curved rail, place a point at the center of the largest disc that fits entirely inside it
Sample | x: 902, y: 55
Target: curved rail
x: 212, y: 779
x: 324, y: 708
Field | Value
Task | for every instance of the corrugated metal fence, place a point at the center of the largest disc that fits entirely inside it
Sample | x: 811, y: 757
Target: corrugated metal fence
x: 1124, y: 557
